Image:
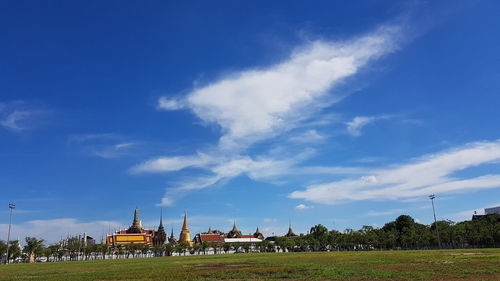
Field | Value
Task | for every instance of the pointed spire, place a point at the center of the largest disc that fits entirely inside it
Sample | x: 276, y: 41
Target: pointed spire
x: 290, y: 232
x: 136, y: 217
x: 136, y: 224
x: 234, y: 233
x: 234, y: 226
x: 185, y: 224
x: 258, y: 234
x: 161, y: 218
x: 185, y: 236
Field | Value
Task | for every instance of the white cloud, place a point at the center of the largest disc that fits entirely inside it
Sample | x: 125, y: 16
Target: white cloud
x: 169, y: 164
x: 220, y: 168
x: 256, y: 104
x: 54, y: 229
x: 270, y: 220
x: 310, y: 136
x: 302, y: 207
x: 227, y: 167
x: 357, y: 123
x: 170, y: 104
x: 19, y: 115
x: 105, y: 145
x: 13, y: 120
x: 426, y: 175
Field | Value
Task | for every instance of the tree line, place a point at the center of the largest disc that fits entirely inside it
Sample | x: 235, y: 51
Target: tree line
x: 402, y: 233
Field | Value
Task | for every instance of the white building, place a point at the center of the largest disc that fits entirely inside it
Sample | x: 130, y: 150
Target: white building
x: 492, y: 210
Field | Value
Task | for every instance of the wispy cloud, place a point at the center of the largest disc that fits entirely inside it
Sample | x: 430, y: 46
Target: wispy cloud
x: 302, y: 207
x: 19, y: 115
x: 169, y: 164
x: 426, y: 175
x: 309, y: 136
x: 104, y: 145
x: 355, y: 126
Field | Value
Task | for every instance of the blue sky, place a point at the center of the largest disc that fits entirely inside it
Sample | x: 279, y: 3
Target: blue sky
x: 333, y: 113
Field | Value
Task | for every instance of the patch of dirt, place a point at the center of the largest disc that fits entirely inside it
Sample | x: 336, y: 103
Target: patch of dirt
x: 476, y: 277
x: 223, y: 266
x: 471, y: 254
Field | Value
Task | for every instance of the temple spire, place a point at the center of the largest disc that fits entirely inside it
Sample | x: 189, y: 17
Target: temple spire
x: 136, y: 224
x: 290, y: 232
x: 258, y: 234
x: 234, y: 233
x: 185, y: 224
x: 185, y: 236
x: 161, y: 218
x: 136, y: 217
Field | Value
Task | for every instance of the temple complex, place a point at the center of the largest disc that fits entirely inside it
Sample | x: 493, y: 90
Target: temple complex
x: 136, y: 234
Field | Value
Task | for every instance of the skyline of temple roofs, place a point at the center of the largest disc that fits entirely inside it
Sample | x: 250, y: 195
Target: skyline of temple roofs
x: 185, y: 233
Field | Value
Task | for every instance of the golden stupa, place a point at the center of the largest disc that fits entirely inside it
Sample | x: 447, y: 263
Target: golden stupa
x: 185, y: 236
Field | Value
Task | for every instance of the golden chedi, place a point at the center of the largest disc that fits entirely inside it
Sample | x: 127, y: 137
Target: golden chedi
x: 185, y: 236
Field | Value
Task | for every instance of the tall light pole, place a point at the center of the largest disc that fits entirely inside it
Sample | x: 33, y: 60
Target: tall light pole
x: 432, y: 197
x: 11, y: 207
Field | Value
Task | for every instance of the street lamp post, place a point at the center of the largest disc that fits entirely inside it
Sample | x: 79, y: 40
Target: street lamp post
x: 432, y: 197
x: 11, y: 207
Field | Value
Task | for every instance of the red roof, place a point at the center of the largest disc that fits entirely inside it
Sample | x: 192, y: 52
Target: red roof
x: 212, y: 238
x: 247, y: 236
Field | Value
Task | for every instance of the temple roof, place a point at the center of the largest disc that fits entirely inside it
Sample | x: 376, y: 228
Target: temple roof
x: 136, y: 224
x: 235, y: 228
x: 234, y: 233
x: 290, y: 232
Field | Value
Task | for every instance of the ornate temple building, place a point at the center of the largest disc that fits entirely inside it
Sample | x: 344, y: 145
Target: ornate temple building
x: 160, y: 236
x: 136, y: 234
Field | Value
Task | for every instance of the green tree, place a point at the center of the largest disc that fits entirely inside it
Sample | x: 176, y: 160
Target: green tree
x: 33, y: 248
x: 226, y: 247
x: 204, y: 246
x: 14, y: 250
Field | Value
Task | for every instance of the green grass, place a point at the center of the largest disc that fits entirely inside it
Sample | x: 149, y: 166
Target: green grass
x: 477, y: 264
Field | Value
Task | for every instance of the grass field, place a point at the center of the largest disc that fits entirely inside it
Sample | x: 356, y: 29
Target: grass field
x: 469, y: 264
